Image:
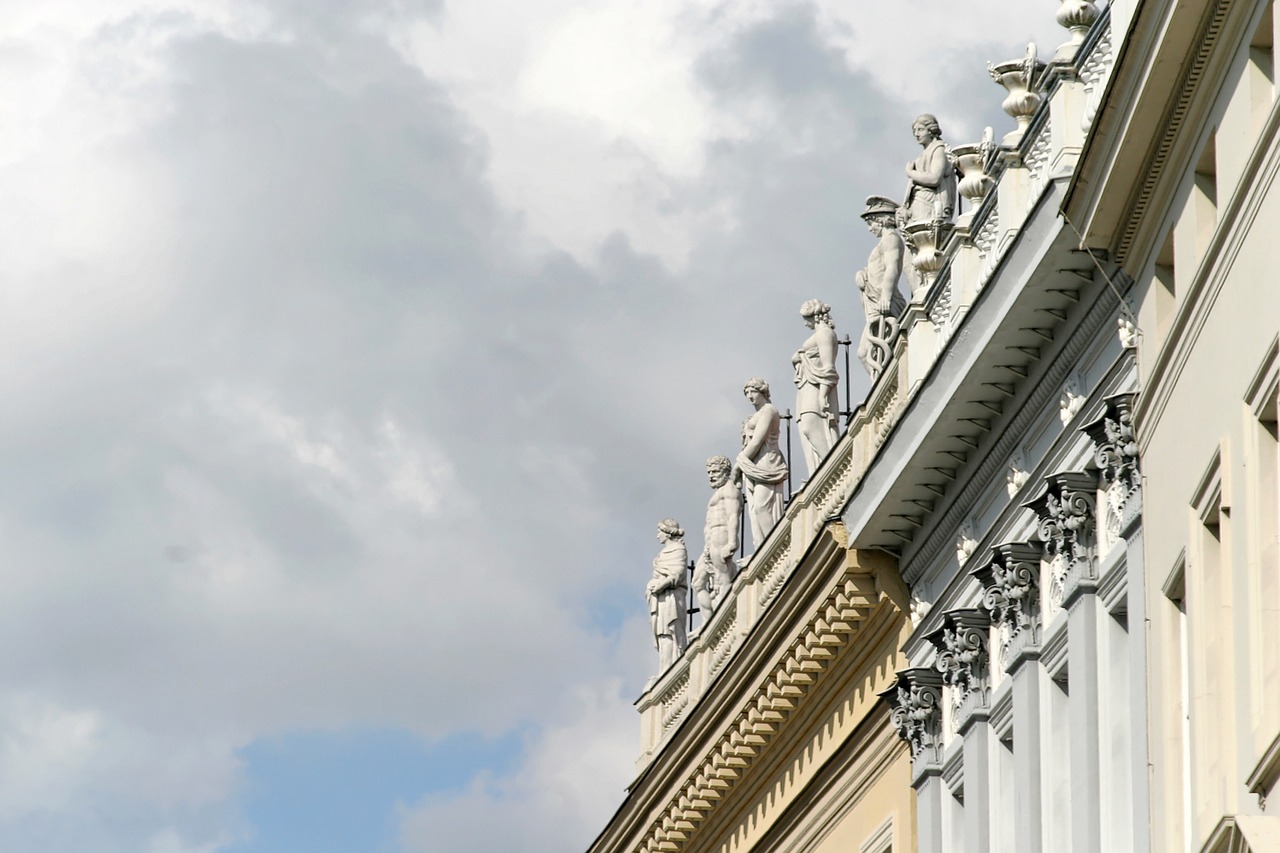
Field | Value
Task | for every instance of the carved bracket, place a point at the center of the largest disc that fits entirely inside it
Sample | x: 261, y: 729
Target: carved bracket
x: 1011, y: 584
x: 1066, y: 507
x: 1116, y: 455
x: 916, y: 700
x: 962, y: 643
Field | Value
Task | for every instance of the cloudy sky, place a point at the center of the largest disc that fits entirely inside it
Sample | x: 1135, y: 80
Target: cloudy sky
x: 350, y: 351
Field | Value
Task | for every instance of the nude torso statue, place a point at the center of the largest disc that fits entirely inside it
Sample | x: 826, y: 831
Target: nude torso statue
x: 716, y: 567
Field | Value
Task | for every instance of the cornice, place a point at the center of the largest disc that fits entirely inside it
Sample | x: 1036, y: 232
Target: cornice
x: 744, y: 715
x: 1172, y: 126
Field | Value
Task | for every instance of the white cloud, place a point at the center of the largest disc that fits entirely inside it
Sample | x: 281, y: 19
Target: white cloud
x: 312, y: 417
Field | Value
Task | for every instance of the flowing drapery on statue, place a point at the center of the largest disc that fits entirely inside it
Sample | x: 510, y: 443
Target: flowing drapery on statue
x: 882, y: 301
x: 716, y: 567
x: 817, y: 401
x: 931, y: 177
x: 761, y: 463
x: 668, y: 594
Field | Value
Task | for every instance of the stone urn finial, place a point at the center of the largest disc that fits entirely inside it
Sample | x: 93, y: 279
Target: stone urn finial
x: 1077, y: 16
x: 1019, y: 78
x: 971, y: 162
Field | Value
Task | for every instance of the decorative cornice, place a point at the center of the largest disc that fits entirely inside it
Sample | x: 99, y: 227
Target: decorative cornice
x: 1172, y: 126
x: 834, y: 626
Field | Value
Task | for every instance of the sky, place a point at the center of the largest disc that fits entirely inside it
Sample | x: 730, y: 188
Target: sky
x: 350, y: 351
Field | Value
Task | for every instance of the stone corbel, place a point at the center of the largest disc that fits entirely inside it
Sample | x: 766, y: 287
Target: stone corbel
x: 1011, y: 584
x: 962, y: 644
x: 1066, y: 507
x: 916, y: 703
x: 1116, y: 455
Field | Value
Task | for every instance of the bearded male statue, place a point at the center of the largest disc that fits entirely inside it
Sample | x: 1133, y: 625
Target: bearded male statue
x: 716, y: 567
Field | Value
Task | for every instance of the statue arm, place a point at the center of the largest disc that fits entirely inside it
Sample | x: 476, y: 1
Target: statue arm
x: 935, y: 168
x: 827, y: 348
x: 733, y: 509
x: 760, y: 434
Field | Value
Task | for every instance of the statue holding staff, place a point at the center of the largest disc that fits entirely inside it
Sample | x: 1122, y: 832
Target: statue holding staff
x: 882, y: 302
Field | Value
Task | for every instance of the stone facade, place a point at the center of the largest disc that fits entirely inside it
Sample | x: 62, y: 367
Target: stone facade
x: 1049, y: 539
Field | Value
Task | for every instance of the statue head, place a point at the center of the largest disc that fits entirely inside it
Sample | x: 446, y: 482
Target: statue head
x: 669, y: 528
x: 718, y: 470
x: 925, y: 128
x: 759, y: 386
x: 817, y: 311
x: 881, y: 214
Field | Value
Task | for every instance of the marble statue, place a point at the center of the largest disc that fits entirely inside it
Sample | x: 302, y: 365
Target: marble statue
x: 668, y: 594
x: 716, y: 568
x: 817, y: 402
x: 931, y: 185
x: 761, y: 465
x: 882, y: 302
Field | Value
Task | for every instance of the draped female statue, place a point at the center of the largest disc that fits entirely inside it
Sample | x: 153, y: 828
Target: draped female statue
x: 817, y: 404
x: 760, y: 463
x: 668, y: 594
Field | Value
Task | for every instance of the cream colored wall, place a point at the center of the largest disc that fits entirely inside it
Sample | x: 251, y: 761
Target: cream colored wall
x: 890, y: 800
x: 1227, y: 317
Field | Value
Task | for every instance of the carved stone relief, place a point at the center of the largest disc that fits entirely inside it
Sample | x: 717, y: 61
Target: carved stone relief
x: 1011, y: 594
x: 963, y: 660
x: 916, y: 700
x: 1116, y: 455
x: 1066, y: 508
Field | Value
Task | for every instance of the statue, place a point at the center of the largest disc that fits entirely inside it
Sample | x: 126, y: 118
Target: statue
x: 817, y: 403
x: 668, y: 594
x: 716, y: 568
x: 882, y: 302
x: 931, y: 186
x: 760, y: 463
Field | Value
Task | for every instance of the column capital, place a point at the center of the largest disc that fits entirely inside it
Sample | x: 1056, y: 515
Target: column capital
x: 916, y: 701
x: 1066, y: 508
x: 1116, y: 455
x: 1011, y: 583
x: 963, y: 659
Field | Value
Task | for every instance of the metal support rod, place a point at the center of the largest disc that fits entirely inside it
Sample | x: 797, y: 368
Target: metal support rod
x: 788, y: 417
x: 693, y: 598
x: 847, y: 343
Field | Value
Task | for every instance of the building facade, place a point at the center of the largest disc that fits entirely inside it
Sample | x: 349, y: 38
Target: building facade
x: 1030, y: 601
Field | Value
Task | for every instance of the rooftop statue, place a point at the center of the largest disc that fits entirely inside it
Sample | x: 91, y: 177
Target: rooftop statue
x: 882, y: 302
x: 716, y: 568
x: 931, y: 187
x: 761, y: 464
x: 817, y: 403
x: 668, y: 594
